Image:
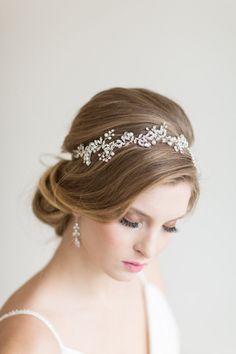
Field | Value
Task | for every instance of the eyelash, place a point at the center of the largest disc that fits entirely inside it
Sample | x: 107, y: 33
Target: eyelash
x: 134, y: 225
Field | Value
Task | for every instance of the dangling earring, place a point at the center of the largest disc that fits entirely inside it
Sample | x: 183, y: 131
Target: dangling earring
x: 76, y: 233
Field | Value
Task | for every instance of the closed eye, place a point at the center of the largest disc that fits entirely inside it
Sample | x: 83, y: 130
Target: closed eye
x: 135, y: 225
x: 128, y: 223
x: 170, y: 229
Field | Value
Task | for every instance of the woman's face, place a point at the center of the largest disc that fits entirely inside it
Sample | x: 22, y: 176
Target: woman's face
x: 136, y: 237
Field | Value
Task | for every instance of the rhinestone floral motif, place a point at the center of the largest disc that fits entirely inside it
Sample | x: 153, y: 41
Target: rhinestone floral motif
x: 152, y: 136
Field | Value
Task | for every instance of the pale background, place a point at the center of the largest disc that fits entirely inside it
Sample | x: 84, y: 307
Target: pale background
x: 54, y: 56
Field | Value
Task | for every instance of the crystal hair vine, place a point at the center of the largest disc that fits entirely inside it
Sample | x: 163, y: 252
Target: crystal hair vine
x: 107, y: 147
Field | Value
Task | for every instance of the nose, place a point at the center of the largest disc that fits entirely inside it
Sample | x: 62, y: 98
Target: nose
x: 147, y: 245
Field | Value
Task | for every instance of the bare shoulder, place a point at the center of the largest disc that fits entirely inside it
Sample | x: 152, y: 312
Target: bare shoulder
x: 26, y: 334
x: 29, y: 295
x: 153, y: 274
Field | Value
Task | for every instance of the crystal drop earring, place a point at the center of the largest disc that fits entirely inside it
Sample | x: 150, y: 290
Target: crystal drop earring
x: 76, y: 233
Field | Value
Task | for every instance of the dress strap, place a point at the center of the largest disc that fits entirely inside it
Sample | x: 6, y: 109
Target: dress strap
x: 37, y: 315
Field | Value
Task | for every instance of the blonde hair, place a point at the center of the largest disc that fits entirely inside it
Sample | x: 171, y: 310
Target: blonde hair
x: 104, y: 191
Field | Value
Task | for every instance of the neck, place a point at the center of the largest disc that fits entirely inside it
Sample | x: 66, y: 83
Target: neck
x: 76, y: 275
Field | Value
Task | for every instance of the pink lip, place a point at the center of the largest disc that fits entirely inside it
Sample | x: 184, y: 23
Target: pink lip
x: 135, y: 263
x: 134, y: 267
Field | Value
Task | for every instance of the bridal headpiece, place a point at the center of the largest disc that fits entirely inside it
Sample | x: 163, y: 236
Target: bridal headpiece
x: 105, y: 147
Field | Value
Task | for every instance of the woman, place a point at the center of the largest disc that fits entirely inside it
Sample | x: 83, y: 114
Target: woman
x: 115, y: 204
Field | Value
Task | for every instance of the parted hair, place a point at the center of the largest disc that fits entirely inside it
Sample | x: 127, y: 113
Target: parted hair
x: 104, y: 191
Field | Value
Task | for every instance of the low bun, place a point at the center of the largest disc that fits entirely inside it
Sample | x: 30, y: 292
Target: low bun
x: 46, y: 205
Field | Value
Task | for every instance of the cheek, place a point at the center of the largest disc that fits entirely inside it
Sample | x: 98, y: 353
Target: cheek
x: 107, y: 238
x: 163, y: 243
x: 113, y: 237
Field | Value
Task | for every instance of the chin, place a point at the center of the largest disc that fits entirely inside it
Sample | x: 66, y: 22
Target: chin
x: 121, y: 276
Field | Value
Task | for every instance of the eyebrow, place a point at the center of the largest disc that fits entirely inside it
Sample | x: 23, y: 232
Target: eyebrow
x: 139, y: 212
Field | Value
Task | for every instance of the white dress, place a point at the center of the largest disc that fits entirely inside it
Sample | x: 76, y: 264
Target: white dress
x: 164, y: 336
